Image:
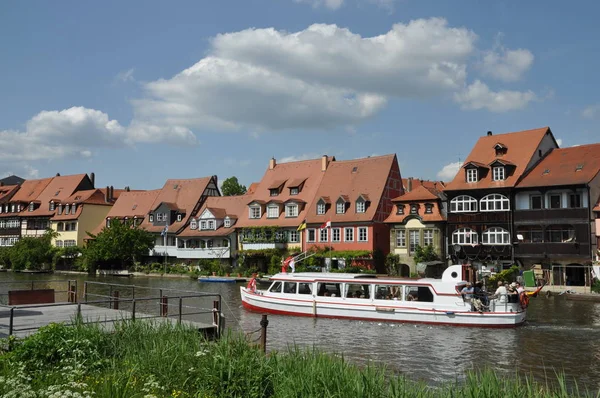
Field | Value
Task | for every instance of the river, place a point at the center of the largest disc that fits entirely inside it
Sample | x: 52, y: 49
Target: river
x: 559, y: 336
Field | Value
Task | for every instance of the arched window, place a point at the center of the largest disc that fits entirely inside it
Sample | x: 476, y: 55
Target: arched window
x: 495, y: 202
x: 495, y: 236
x: 464, y: 236
x: 463, y: 204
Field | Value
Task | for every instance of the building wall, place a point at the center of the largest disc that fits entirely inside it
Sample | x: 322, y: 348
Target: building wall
x: 91, y: 216
x: 32, y: 233
x: 545, y: 145
x: 343, y: 245
x: 416, y: 224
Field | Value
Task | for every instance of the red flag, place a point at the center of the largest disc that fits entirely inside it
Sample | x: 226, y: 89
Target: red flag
x: 326, y: 225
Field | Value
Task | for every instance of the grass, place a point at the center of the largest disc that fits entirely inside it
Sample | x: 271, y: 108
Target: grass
x: 140, y: 359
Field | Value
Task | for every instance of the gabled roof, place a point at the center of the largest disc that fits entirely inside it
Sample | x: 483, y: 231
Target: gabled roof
x: 232, y: 206
x: 476, y: 164
x: 324, y: 199
x: 7, y: 192
x: 184, y: 194
x: 296, y: 182
x: 308, y: 170
x: 31, y: 189
x: 350, y: 178
x: 12, y: 180
x: 521, y: 149
x: 416, y: 182
x: 419, y: 194
x: 501, y: 161
x: 252, y: 188
x: 345, y: 198
x: 59, y: 188
x: 565, y: 166
x: 277, y: 184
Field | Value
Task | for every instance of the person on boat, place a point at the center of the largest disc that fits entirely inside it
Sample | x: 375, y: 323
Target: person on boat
x: 520, y: 288
x: 479, y: 293
x: 468, y: 291
x: 411, y: 297
x: 501, y: 292
x: 252, y: 284
x: 512, y: 293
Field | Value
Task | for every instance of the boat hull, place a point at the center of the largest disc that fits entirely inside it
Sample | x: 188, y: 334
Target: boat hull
x: 402, y: 312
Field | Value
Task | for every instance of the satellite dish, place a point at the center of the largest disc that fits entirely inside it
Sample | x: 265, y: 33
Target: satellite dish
x: 456, y: 247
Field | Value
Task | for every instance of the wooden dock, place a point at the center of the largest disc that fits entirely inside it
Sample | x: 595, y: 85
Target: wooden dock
x: 28, y: 319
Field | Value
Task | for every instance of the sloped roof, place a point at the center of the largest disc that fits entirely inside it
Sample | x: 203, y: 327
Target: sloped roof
x: 597, y: 208
x: 521, y: 147
x: 419, y: 194
x: 351, y: 178
x: 31, y: 189
x: 12, y: 180
x: 184, y: 194
x: 59, y: 188
x: 220, y: 207
x: 252, y: 188
x: 7, y: 191
x: 416, y: 182
x: 310, y: 170
x: 565, y: 166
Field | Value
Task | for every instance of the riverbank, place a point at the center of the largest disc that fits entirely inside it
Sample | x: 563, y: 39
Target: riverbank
x: 144, y: 360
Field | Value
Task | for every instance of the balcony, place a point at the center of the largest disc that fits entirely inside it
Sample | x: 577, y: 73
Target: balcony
x: 263, y: 245
x: 483, y: 251
x: 10, y: 231
x: 160, y: 251
x: 212, y: 252
x: 552, y: 249
x: 491, y: 217
x: 552, y: 216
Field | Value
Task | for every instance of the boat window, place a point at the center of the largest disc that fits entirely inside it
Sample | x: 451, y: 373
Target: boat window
x: 388, y: 292
x: 328, y: 289
x: 275, y: 287
x: 289, y: 287
x: 419, y: 293
x: 305, y: 288
x: 355, y: 290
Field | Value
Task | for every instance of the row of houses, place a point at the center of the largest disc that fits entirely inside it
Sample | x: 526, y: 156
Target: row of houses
x: 518, y: 198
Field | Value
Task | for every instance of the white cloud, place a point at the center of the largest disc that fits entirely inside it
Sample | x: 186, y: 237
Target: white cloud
x: 559, y: 141
x: 591, y: 111
x: 321, y: 77
x: 31, y: 172
x: 297, y: 158
x: 126, y: 75
x: 506, y: 65
x: 331, y: 4
x: 479, y: 96
x: 448, y: 172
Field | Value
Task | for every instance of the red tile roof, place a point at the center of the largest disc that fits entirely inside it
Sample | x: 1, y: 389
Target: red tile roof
x: 565, y: 166
x: 7, y: 191
x: 184, y: 194
x: 252, y: 188
x: 220, y: 207
x: 597, y: 208
x: 59, y: 189
x: 416, y: 182
x: 30, y: 190
x: 310, y: 170
x: 350, y: 179
x: 521, y: 149
x: 81, y: 198
x: 421, y: 193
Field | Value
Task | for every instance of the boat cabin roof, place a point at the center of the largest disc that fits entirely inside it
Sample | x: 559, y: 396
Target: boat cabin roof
x: 321, y: 276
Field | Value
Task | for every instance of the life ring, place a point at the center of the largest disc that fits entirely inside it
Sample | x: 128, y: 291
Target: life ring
x: 252, y: 285
x: 524, y: 300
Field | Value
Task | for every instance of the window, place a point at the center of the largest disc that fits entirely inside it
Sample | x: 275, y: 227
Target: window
x: 73, y: 208
x: 321, y: 208
x: 178, y: 217
x: 227, y: 223
x: 272, y: 212
x: 255, y: 212
x: 59, y: 243
x: 70, y: 243
x: 275, y: 287
x: 399, y: 209
x: 291, y: 210
x: 531, y: 234
x: 210, y: 224
x: 349, y: 234
x: 52, y: 205
x: 428, y: 208
x: 335, y: 235
x: 388, y: 292
x: 12, y: 208
x: 535, y: 202
x: 324, y: 235
x: 202, y: 225
x: 414, y: 209
x: 560, y: 234
x: 354, y: 290
x: 555, y: 201
x: 329, y: 289
x: 418, y: 293
x: 290, y: 287
x: 31, y: 206
x: 428, y: 237
x: 151, y: 218
x: 293, y: 236
x: 67, y: 209
x: 464, y: 236
x: 495, y: 236
x: 362, y: 234
x: 12, y: 223
x: 294, y: 191
x: 274, y: 192
x: 60, y: 227
x: 60, y: 209
x: 471, y: 175
x: 311, y: 235
x: 360, y: 206
x: 304, y: 288
x: 193, y: 224
x: 495, y: 202
x: 413, y: 240
x: 340, y: 207
x: 574, y: 200
x: 498, y: 173
x: 463, y: 204
x: 400, y: 238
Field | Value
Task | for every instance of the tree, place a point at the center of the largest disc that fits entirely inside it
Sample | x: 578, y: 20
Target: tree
x: 33, y: 253
x: 121, y: 243
x: 232, y: 187
x: 425, y: 254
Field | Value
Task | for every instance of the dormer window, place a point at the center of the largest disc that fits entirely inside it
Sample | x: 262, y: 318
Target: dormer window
x: 272, y: 211
x: 227, y: 223
x: 255, y: 212
x: 414, y: 209
x: 151, y: 218
x: 210, y: 224
x: 274, y: 191
x: 361, y: 206
x: 52, y: 205
x: 179, y: 217
x: 73, y: 208
x: 472, y: 175
x: 340, y: 207
x: 498, y: 173
x: 12, y: 208
x: 107, y: 222
x: 203, y: 225
x: 321, y: 208
x: 294, y: 191
x: 31, y: 206
x: 193, y: 224
x: 428, y: 208
x: 400, y: 209
x: 291, y: 210
x: 500, y: 149
x: 67, y: 209
x: 60, y: 209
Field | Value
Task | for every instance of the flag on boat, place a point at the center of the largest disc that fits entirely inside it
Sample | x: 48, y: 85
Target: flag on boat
x: 326, y: 225
x: 286, y: 263
x: 292, y: 264
x: 165, y: 230
x: 302, y: 226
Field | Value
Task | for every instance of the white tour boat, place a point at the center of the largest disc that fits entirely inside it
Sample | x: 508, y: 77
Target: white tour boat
x: 368, y: 297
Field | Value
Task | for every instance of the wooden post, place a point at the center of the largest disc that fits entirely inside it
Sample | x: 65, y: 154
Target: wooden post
x: 180, y: 308
x: 133, y: 310
x: 115, y: 299
x: 85, y: 292
x: 72, y: 294
x: 11, y: 324
x: 164, y: 306
x: 216, y: 313
x: 264, y: 322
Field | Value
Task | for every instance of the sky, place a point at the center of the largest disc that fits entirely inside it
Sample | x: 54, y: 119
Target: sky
x: 142, y: 91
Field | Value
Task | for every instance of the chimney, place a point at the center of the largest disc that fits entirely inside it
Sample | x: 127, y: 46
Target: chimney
x: 58, y: 174
x: 324, y: 163
x: 112, y: 193
x: 272, y: 163
x: 107, y: 194
x: 409, y: 184
x: 127, y: 189
x: 93, y: 179
x: 489, y: 133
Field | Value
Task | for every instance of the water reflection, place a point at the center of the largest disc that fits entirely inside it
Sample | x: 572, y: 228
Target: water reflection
x: 560, y: 335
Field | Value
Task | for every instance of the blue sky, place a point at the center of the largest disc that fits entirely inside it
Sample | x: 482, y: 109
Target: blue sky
x: 142, y: 91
